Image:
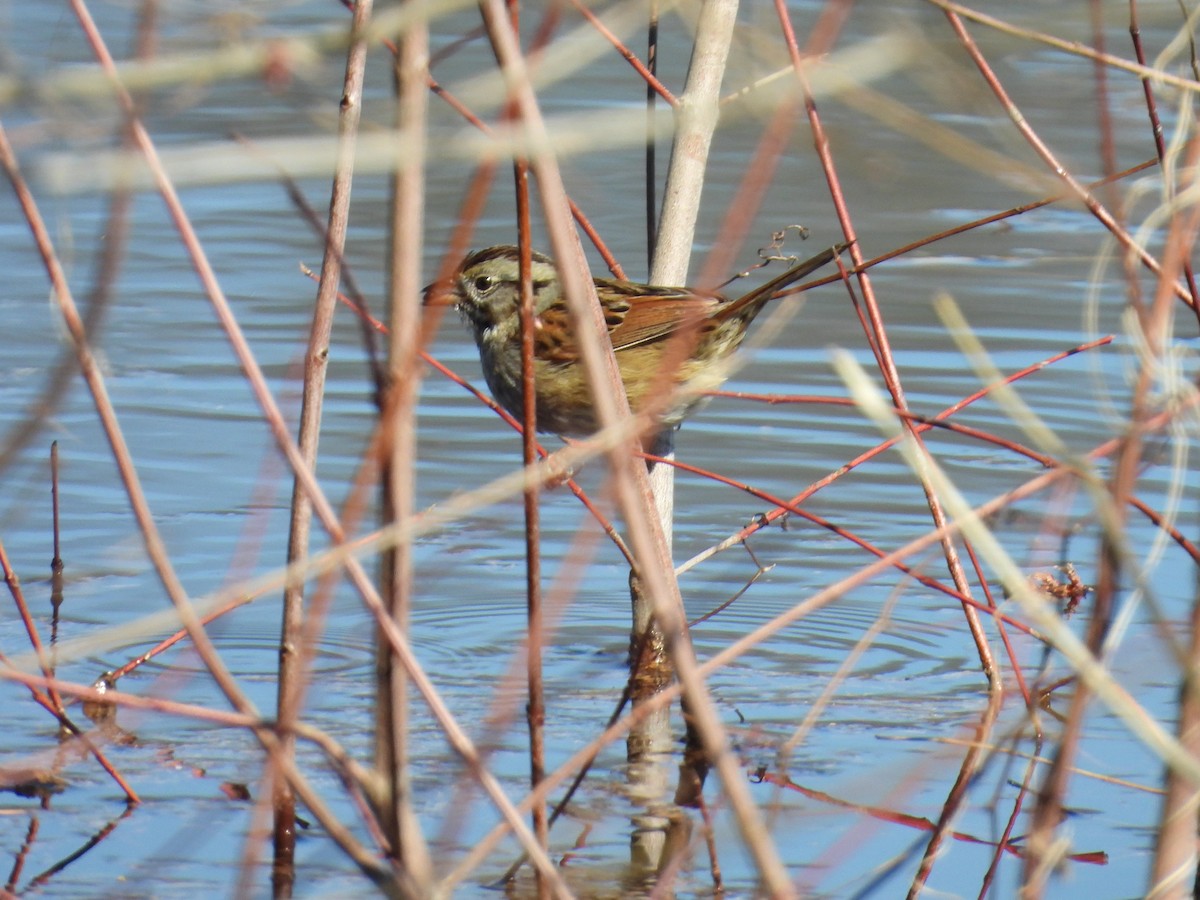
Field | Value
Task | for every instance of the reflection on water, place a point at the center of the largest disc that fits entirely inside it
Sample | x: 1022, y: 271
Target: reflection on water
x: 220, y: 495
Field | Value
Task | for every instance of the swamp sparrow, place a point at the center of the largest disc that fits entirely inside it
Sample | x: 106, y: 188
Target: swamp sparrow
x: 642, y: 320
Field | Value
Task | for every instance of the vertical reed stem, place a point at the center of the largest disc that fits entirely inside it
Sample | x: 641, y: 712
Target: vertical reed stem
x: 316, y: 361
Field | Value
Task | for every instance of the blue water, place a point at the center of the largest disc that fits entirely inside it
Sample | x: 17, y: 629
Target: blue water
x: 887, y: 738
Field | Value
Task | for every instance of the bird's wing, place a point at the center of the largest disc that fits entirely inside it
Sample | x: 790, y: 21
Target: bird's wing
x: 638, y: 315
x: 650, y: 314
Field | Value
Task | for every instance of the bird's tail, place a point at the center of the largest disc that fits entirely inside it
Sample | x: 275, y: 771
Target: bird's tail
x: 765, y: 292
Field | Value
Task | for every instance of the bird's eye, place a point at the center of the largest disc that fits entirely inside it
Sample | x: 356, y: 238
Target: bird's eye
x: 483, y: 283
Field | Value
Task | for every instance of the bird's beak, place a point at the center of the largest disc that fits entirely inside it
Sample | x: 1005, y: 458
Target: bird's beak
x: 440, y: 293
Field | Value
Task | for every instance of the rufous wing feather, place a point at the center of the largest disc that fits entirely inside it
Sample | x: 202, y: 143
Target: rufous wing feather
x: 657, y: 313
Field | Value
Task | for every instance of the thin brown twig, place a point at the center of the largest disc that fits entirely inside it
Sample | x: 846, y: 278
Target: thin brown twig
x: 51, y: 701
x: 1052, y: 792
x: 395, y: 637
x: 1144, y: 72
x: 748, y: 642
x: 881, y: 342
x: 1156, y: 133
x: 784, y: 507
x: 1077, y: 188
x: 630, y: 482
x: 534, y: 613
x: 397, y: 449
x: 290, y: 691
x: 955, y: 797
x: 887, y: 444
x: 646, y: 71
